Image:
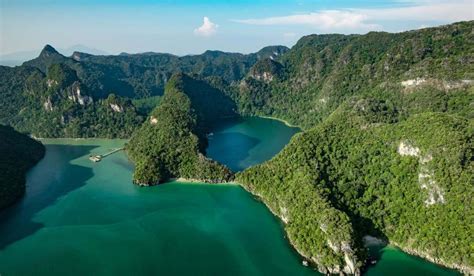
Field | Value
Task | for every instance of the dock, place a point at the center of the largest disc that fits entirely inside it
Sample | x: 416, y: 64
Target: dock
x: 98, y: 158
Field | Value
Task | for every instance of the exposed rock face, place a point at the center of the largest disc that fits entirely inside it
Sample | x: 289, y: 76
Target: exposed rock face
x: 116, y: 108
x: 153, y: 120
x: 411, y: 84
x: 284, y: 214
x: 76, y: 96
x: 405, y: 149
x: 427, y: 182
x: 76, y: 56
x: 344, y: 247
x: 266, y: 70
x: 51, y: 82
x: 48, y: 105
x: 265, y: 76
x: 425, y: 175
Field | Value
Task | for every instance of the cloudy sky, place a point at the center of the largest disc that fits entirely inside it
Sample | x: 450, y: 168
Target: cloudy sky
x: 190, y: 27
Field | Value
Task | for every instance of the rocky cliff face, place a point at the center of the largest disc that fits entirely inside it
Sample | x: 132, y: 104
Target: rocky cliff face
x: 75, y: 94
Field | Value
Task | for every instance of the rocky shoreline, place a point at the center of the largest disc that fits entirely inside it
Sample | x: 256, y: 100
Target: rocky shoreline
x: 306, y: 259
x: 461, y: 268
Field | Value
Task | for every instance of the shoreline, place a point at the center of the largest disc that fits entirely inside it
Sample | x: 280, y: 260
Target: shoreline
x: 198, y: 181
x: 287, y: 237
x: 424, y: 256
x: 76, y: 138
x: 414, y: 252
x: 280, y: 120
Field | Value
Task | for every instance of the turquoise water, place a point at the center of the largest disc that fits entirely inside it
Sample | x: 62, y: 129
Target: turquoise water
x: 244, y: 143
x: 394, y: 262
x: 84, y: 218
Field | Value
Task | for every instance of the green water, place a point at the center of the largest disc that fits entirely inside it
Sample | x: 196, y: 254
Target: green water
x: 84, y: 218
x: 394, y: 262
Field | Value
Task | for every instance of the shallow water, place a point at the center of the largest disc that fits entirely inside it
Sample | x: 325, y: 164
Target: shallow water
x: 84, y: 218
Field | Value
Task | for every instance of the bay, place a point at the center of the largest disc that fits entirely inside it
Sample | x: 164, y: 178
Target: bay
x: 84, y: 218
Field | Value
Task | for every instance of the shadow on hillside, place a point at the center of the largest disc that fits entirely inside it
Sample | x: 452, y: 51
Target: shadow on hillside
x: 52, y: 178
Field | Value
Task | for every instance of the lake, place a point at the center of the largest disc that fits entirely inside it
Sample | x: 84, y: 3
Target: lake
x: 84, y: 218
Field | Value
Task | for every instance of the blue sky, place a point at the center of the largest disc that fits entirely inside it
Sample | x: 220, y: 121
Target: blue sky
x: 190, y: 27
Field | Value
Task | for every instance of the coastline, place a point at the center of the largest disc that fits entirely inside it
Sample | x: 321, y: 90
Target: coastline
x: 260, y: 198
x: 425, y: 256
x: 460, y: 268
x: 281, y: 120
x: 198, y: 181
x: 414, y: 252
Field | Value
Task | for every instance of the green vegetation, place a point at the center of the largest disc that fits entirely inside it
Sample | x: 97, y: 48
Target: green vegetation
x: 40, y: 97
x: 18, y: 153
x: 171, y: 143
x: 322, y: 71
x: 360, y: 98
x: 387, y: 150
x: 146, y: 105
x: 59, y: 105
x: 350, y: 164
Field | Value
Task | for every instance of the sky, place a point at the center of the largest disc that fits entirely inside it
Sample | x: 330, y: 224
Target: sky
x: 190, y: 27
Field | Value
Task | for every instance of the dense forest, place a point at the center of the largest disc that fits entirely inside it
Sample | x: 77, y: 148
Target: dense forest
x: 18, y: 153
x: 172, y: 143
x: 428, y: 69
x: 388, y: 150
x: 387, y: 147
x: 356, y: 174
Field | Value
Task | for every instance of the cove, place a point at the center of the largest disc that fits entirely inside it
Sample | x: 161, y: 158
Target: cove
x: 84, y: 218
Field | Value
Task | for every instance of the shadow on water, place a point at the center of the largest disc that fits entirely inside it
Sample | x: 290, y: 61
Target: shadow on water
x: 226, y: 123
x: 231, y: 148
x: 49, y: 180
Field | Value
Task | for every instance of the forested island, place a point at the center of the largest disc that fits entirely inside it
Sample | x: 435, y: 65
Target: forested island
x: 386, y: 149
x: 18, y: 153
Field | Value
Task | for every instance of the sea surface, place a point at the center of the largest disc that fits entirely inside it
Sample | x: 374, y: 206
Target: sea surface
x: 85, y: 218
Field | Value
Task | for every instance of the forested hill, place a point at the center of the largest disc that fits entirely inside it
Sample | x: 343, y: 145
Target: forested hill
x: 91, y: 96
x: 361, y: 173
x: 145, y: 75
x: 387, y: 149
x: 428, y: 69
x: 18, y: 153
x: 171, y: 143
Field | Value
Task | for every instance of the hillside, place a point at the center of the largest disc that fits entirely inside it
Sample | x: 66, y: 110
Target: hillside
x: 354, y: 175
x: 172, y: 142
x: 18, y: 153
x: 428, y: 69
x: 58, y: 96
x: 387, y: 149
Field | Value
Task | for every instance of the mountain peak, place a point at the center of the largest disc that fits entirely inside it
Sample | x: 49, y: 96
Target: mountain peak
x: 48, y: 50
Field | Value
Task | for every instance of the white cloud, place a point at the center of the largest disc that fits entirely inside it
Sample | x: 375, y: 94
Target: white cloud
x: 326, y: 20
x: 207, y: 29
x: 361, y: 20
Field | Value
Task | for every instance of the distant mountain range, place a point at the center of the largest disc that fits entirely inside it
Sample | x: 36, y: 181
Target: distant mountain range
x: 386, y: 148
x: 17, y: 58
